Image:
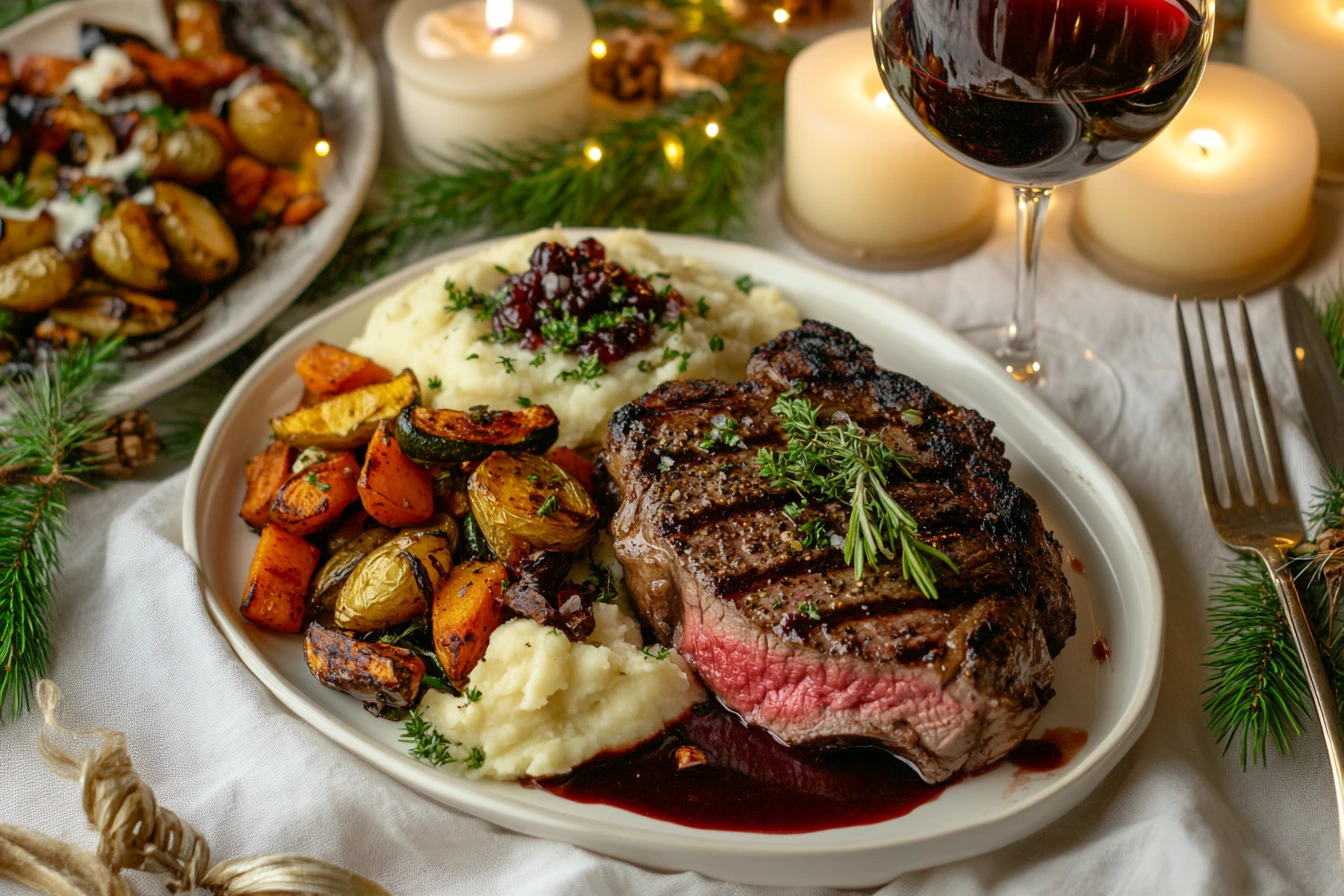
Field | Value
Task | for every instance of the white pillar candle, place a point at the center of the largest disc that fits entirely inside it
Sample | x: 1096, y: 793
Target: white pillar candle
x: 860, y: 183
x: 487, y: 72
x: 1219, y: 202
x: 1300, y: 43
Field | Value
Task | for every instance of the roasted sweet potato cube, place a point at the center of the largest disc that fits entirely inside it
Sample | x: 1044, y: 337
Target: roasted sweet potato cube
x: 395, y: 490
x: 278, y: 580
x: 302, y: 209
x: 44, y: 75
x: 265, y: 474
x: 328, y: 370
x: 314, y: 498
x: 466, y: 611
x: 383, y: 674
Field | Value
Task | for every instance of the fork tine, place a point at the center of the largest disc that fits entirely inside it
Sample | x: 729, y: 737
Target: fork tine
x: 1269, y: 433
x: 1216, y: 403
x: 1253, y: 478
x: 1211, y: 498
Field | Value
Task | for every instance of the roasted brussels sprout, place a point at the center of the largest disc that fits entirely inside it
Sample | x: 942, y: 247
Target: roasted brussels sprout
x: 37, y: 280
x: 128, y: 249
x: 274, y: 123
x: 188, y: 155
x: 334, y: 573
x: 394, y: 583
x: 524, y: 502
x: 199, y: 241
x: 18, y: 237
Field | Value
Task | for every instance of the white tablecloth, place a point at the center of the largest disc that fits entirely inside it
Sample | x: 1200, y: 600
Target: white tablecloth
x: 135, y: 651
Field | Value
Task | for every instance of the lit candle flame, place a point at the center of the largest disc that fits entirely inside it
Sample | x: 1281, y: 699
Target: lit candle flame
x: 498, y: 15
x: 599, y: 48
x: 781, y: 15
x: 712, y: 130
x: 321, y: 147
x: 1208, y: 141
x: 882, y: 99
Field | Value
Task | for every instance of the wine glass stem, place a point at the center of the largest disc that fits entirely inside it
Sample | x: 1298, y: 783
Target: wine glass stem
x: 1018, y: 354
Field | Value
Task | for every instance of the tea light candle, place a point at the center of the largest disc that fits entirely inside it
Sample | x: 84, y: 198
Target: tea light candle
x: 861, y: 185
x: 1300, y: 43
x: 1219, y: 203
x: 487, y: 72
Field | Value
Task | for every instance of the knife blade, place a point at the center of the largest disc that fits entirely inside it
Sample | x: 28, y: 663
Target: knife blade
x: 1318, y: 379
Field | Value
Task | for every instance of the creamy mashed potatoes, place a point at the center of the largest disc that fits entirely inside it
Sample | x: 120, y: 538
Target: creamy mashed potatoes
x: 547, y: 704
x: 411, y: 328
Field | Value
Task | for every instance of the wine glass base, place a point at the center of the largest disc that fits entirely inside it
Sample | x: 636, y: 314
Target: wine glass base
x: 1073, y: 379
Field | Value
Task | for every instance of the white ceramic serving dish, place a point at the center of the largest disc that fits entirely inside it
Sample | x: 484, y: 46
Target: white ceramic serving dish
x: 353, y: 124
x: 1119, y: 596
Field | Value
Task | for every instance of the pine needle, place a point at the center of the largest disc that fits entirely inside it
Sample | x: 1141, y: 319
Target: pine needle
x: 13, y: 10
x: 54, y: 414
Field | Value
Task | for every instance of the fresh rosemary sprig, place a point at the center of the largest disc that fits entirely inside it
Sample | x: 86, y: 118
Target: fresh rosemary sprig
x: 53, y: 416
x: 845, y: 464
x: 661, y: 171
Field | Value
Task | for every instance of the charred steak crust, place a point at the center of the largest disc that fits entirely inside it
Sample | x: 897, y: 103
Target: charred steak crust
x: 782, y: 633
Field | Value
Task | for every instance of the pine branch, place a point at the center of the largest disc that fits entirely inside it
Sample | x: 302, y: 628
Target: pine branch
x: 703, y: 184
x: 1330, y: 308
x: 54, y: 414
x: 13, y: 10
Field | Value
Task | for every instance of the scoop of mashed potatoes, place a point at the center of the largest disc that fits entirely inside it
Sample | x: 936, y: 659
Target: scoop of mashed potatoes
x: 547, y: 704
x: 412, y: 328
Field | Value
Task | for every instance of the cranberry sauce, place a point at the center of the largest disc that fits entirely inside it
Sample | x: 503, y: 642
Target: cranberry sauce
x: 712, y: 771
x: 576, y: 301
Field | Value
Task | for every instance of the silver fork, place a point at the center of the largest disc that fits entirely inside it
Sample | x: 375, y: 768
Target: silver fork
x: 1253, y: 523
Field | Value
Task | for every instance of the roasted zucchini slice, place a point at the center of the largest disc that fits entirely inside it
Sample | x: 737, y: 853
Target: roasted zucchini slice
x: 394, y: 583
x: 524, y: 502
x: 446, y: 436
x: 348, y: 420
x: 108, y: 311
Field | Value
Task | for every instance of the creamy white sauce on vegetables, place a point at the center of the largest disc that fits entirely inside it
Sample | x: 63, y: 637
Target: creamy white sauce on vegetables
x: 107, y: 65
x: 118, y: 168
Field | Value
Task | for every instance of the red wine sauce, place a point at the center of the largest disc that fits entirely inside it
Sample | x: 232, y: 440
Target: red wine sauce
x: 747, y: 780
x: 1051, y: 751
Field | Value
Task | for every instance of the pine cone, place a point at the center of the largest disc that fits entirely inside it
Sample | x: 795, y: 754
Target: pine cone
x: 130, y: 441
x: 722, y: 63
x: 631, y: 69
x: 1330, y: 549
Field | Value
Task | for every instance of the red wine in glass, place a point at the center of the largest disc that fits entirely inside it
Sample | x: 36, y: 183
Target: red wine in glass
x: 1039, y: 93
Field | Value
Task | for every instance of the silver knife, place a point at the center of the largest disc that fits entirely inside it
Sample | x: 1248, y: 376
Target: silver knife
x: 1318, y: 379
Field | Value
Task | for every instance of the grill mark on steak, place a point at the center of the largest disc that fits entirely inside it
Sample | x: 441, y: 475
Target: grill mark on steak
x: 717, y: 571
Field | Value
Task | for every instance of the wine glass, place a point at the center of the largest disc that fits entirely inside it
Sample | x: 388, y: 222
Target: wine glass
x: 1039, y: 93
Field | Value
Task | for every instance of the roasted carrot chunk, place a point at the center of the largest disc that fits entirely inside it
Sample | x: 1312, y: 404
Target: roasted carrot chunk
x: 328, y: 370
x: 314, y: 498
x: 44, y: 75
x: 182, y: 81
x: 265, y: 474
x: 466, y: 611
x: 301, y: 209
x: 245, y: 181
x: 573, y: 463
x: 395, y: 490
x: 278, y: 580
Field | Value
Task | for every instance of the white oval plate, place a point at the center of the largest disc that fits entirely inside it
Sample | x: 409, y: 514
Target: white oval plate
x: 354, y: 126
x: 1081, y: 499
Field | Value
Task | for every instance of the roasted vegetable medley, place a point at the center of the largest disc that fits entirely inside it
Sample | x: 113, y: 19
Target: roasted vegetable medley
x: 402, y: 536
x: 135, y: 180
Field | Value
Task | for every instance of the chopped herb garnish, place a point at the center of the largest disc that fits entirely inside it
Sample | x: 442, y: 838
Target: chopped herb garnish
x: 645, y: 366
x: 723, y: 432
x: 534, y: 478
x: 702, y: 307
x: 549, y: 506
x: 166, y: 118
x: 506, y: 362
x: 665, y: 463
x: 913, y: 416
x: 312, y: 480
x: 843, y: 463
x: 794, y: 509
x: 463, y: 299
x: 472, y: 694
x: 716, y: 343
x: 435, y: 383
x: 745, y: 283
x: 14, y: 192
x: 676, y: 325
x: 427, y: 744
x: 524, y: 401
x: 501, y: 269
x: 476, y: 758
x: 815, y: 533
x: 472, y: 357
x: 661, y: 653
x: 537, y: 360
x: 587, y: 370
x: 809, y: 610
x: 600, y: 580
x: 779, y: 603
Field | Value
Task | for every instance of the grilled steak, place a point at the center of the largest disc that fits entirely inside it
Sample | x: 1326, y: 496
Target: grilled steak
x: 783, y: 634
